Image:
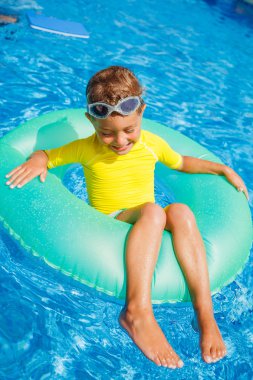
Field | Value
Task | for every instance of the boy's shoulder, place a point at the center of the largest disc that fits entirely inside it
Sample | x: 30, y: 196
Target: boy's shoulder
x: 82, y: 146
x: 89, y: 138
x: 151, y: 138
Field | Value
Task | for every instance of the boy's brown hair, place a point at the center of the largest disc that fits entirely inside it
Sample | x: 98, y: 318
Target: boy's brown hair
x: 113, y: 84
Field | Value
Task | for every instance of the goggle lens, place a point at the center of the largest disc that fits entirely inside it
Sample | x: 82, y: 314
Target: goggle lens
x: 99, y: 110
x: 129, y: 105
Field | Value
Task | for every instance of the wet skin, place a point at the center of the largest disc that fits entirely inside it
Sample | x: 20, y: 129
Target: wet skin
x: 137, y: 318
x: 120, y: 133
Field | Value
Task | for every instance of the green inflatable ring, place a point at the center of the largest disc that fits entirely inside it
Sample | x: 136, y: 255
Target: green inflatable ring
x: 81, y: 242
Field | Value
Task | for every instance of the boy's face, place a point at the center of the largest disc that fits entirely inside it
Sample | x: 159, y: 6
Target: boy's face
x: 118, y: 132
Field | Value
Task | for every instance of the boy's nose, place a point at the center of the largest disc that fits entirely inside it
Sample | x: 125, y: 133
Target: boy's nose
x: 120, y: 140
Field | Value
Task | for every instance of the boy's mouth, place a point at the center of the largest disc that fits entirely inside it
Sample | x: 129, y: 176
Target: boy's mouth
x: 121, y: 148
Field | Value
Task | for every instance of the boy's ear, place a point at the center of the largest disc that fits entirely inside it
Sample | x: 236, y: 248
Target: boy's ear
x: 143, y: 108
x: 89, y: 117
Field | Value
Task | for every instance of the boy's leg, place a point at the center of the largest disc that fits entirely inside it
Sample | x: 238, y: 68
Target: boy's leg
x: 142, y: 250
x: 190, y: 252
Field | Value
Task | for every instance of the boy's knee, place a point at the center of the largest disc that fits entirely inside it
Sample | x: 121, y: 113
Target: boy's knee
x: 154, y: 213
x: 179, y: 213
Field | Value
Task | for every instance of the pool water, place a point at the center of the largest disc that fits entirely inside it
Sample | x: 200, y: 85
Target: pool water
x: 195, y: 60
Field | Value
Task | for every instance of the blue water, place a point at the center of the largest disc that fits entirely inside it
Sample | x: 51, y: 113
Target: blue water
x: 195, y: 59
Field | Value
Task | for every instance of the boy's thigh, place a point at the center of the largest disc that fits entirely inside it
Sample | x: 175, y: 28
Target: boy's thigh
x: 131, y: 215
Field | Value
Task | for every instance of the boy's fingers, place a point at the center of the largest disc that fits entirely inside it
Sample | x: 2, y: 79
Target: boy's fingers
x: 43, y: 176
x: 25, y: 180
x: 13, y: 171
x: 246, y: 193
x: 244, y: 190
x: 20, y: 180
x: 15, y: 175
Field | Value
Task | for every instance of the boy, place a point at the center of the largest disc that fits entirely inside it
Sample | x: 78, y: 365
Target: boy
x: 119, y: 161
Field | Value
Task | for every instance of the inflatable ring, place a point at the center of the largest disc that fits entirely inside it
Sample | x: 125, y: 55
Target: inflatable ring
x: 51, y: 222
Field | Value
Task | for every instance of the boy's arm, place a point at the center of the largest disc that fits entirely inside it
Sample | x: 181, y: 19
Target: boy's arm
x: 197, y: 165
x: 35, y: 166
x: 41, y: 160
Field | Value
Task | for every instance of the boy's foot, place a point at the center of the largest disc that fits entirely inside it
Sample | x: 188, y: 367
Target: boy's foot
x: 211, y: 343
x: 148, y: 336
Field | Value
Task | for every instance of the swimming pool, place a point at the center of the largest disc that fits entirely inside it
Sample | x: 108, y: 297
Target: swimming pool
x: 194, y: 58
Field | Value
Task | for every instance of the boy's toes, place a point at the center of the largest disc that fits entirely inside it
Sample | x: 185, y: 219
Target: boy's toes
x: 171, y: 363
x: 157, y: 361
x: 167, y: 361
x: 164, y: 362
x: 175, y: 362
x: 219, y: 354
x: 207, y: 358
x: 206, y: 355
x: 161, y: 360
x: 214, y: 355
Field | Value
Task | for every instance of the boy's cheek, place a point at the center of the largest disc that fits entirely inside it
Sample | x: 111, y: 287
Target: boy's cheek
x: 135, y: 137
x: 105, y: 140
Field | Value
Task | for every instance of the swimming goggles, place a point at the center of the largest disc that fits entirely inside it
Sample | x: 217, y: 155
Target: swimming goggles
x: 125, y: 106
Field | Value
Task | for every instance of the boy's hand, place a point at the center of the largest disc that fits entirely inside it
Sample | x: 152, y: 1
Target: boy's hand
x: 35, y: 166
x: 236, y: 180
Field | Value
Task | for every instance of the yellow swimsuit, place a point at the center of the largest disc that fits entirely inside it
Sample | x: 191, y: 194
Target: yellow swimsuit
x: 117, y: 181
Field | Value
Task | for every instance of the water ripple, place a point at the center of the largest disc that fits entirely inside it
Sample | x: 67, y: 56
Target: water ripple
x: 198, y: 80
